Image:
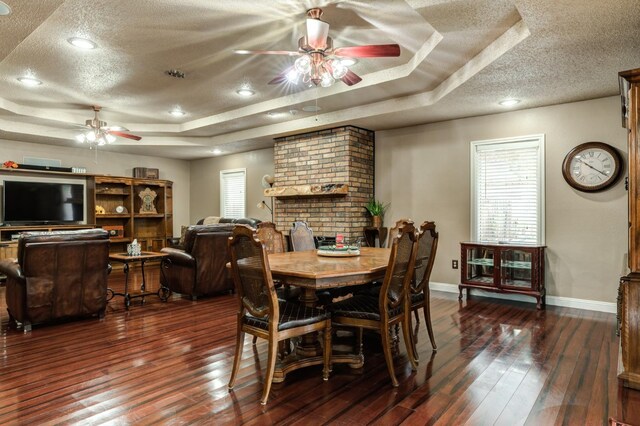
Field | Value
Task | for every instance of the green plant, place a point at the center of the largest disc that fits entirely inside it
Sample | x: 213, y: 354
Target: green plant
x: 376, y: 207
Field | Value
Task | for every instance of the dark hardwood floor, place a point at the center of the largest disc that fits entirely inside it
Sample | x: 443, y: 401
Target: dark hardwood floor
x: 498, y: 362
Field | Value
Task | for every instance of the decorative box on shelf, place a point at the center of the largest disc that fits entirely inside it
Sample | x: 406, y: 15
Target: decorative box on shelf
x: 146, y: 173
x: 115, y: 231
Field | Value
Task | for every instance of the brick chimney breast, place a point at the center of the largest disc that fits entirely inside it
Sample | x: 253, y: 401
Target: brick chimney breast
x: 343, y: 155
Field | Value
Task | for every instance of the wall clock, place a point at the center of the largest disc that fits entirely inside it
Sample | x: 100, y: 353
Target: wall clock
x: 592, y: 166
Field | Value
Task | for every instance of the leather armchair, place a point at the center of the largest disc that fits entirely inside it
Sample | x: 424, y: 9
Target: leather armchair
x: 199, y: 268
x: 57, y: 275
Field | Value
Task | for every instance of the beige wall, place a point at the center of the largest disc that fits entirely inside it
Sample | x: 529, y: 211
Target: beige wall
x: 424, y: 172
x: 205, y: 182
x: 110, y: 163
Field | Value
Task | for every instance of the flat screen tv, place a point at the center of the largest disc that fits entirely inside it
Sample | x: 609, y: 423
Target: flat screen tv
x: 42, y: 203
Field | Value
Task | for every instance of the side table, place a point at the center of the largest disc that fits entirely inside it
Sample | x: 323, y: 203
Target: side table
x: 163, y: 292
x: 373, y: 232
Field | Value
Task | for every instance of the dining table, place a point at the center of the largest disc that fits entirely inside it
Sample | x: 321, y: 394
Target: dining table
x: 311, y: 272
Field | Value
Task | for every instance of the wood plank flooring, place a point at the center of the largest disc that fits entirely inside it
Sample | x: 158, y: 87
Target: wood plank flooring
x: 498, y: 362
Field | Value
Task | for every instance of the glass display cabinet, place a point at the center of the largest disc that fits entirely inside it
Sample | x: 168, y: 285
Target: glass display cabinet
x: 503, y: 268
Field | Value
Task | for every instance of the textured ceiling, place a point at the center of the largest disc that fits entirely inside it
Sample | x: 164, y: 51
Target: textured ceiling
x: 459, y: 58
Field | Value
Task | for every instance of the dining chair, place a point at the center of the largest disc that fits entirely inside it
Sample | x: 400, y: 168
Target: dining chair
x: 260, y: 312
x: 273, y: 241
x: 301, y: 237
x: 395, y: 229
x: 391, y: 306
x: 427, y: 247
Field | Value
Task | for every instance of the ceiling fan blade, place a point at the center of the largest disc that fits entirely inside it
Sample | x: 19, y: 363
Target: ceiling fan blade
x: 266, y: 52
x: 351, y: 78
x: 370, y: 51
x: 125, y: 135
x: 282, y: 77
x: 317, y: 33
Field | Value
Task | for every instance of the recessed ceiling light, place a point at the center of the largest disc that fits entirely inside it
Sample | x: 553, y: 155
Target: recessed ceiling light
x: 82, y: 43
x: 509, y: 102
x: 245, y: 92
x: 216, y: 152
x: 347, y: 62
x: 177, y: 112
x: 4, y: 9
x: 29, y: 81
x: 311, y: 108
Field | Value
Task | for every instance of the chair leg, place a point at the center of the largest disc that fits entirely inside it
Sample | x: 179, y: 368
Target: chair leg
x: 238, y: 355
x: 271, y: 366
x: 12, y: 320
x: 427, y: 318
x: 359, y: 345
x: 409, y: 343
x: 327, y: 351
x: 386, y: 348
x: 255, y: 340
x: 415, y: 312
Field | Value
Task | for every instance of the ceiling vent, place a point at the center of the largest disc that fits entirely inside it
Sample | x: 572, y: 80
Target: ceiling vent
x: 175, y: 73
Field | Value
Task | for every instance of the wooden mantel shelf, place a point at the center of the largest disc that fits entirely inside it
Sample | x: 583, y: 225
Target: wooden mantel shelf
x: 315, y: 190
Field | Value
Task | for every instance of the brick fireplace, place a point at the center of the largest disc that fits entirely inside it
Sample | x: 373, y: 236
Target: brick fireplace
x: 342, y: 155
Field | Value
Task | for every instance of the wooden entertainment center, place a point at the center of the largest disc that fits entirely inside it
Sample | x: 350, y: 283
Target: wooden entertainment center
x: 113, y: 203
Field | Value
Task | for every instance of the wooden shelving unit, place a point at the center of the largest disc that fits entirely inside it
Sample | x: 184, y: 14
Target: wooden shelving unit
x: 152, y: 230
x: 629, y: 289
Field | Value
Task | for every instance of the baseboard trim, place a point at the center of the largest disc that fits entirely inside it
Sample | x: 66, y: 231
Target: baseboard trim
x: 567, y: 302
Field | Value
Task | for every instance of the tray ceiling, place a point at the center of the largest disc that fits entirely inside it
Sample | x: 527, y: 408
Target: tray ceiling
x: 459, y: 58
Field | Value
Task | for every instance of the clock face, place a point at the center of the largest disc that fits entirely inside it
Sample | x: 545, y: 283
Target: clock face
x: 592, y: 166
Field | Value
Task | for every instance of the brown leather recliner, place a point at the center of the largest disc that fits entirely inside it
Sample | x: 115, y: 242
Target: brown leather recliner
x: 199, y: 268
x: 61, y: 274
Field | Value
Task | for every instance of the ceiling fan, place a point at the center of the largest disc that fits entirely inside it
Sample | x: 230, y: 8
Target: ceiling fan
x: 318, y: 62
x: 98, y: 133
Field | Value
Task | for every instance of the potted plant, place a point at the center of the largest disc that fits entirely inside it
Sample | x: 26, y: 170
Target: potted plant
x: 376, y: 209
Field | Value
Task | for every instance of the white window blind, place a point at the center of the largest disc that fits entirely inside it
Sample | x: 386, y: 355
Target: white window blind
x: 507, y: 182
x: 232, y: 193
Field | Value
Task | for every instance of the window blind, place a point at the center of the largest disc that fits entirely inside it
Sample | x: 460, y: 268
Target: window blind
x: 232, y: 193
x: 507, y: 186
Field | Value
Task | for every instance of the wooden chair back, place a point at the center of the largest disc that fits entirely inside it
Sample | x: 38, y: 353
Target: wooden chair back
x: 301, y: 237
x: 427, y: 247
x: 251, y: 274
x: 395, y: 229
x: 396, y: 285
x: 272, y: 239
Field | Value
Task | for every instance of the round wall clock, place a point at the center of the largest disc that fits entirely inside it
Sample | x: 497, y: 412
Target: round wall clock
x: 592, y: 166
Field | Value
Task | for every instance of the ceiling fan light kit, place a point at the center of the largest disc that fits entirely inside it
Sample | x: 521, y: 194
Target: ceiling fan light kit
x: 318, y: 63
x: 98, y: 134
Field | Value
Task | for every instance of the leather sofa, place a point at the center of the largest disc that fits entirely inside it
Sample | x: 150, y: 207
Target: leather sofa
x: 198, y: 268
x: 57, y: 275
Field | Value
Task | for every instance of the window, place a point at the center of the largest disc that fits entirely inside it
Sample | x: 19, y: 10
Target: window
x: 507, y: 190
x: 232, y: 193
